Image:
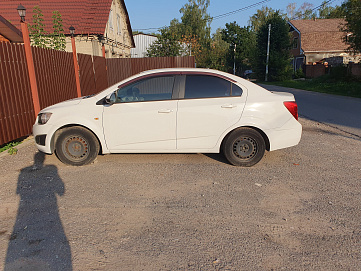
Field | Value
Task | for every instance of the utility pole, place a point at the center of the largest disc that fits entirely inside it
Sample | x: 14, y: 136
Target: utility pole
x: 234, y: 59
x: 234, y: 53
x: 268, y: 44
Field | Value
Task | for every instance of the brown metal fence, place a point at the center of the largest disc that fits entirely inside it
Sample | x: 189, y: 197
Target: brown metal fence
x: 87, y: 79
x: 54, y: 75
x: 121, y: 68
x: 16, y: 107
x: 56, y: 81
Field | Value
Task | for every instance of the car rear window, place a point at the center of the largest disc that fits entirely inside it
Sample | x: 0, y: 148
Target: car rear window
x: 204, y: 86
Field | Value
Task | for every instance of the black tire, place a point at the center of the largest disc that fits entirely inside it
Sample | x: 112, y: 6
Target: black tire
x: 244, y: 147
x: 76, y: 146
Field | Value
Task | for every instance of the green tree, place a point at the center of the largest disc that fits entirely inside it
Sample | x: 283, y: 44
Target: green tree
x: 305, y: 12
x: 241, y: 42
x: 352, y: 9
x: 280, y: 43
x: 57, y: 37
x: 189, y: 36
x: 38, y: 35
x: 328, y: 12
x: 167, y: 45
x: 216, y: 54
x: 260, y: 17
x: 195, y: 21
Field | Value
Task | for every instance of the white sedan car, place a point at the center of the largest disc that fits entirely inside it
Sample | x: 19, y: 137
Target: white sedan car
x: 180, y: 110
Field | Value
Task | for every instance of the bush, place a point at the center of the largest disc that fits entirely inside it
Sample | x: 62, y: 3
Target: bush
x: 299, y: 73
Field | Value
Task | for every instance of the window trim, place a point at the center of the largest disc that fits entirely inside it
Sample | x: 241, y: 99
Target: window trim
x: 179, y: 84
x: 174, y: 96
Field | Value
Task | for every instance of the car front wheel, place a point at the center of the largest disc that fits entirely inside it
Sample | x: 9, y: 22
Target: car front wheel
x: 76, y: 146
x: 244, y: 147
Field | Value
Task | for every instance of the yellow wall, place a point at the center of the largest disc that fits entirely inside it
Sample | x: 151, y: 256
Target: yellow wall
x: 118, y: 41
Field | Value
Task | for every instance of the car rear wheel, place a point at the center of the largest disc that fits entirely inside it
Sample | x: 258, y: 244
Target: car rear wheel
x: 244, y: 147
x: 76, y: 146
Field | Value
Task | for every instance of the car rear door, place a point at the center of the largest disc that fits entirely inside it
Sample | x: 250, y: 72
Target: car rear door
x: 210, y: 106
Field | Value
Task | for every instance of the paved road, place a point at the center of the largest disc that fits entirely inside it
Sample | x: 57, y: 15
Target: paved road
x: 337, y: 111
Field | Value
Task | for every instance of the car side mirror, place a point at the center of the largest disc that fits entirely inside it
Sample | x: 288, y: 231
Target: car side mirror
x: 111, y: 98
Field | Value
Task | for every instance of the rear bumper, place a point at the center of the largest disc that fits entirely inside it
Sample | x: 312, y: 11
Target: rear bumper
x: 287, y: 136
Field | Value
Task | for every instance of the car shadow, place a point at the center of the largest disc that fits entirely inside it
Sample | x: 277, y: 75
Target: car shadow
x: 218, y: 157
x: 38, y: 240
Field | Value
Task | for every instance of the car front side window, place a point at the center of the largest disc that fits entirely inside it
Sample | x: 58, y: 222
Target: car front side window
x: 151, y: 89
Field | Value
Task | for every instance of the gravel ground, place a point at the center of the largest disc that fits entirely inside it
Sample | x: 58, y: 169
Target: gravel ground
x: 298, y: 209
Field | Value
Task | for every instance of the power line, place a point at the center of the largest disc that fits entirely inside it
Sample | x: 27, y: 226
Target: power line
x: 218, y: 16
x: 323, y: 3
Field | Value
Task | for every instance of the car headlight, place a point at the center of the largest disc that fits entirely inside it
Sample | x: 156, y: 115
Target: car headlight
x: 44, y: 117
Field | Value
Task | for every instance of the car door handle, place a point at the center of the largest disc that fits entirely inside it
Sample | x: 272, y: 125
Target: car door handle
x: 165, y: 111
x: 229, y: 106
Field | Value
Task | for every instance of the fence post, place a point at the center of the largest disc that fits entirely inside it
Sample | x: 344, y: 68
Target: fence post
x: 76, y: 67
x: 31, y: 68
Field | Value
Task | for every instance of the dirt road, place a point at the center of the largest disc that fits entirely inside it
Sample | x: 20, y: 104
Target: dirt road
x: 298, y: 209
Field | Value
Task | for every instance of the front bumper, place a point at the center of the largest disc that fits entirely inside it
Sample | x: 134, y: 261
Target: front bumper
x: 43, y: 135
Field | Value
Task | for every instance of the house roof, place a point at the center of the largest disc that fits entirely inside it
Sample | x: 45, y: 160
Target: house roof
x: 321, y: 35
x: 9, y: 31
x: 87, y: 16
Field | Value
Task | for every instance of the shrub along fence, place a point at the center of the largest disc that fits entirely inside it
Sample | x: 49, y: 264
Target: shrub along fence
x: 56, y: 81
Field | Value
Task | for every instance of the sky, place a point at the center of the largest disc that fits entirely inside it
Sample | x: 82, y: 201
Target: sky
x: 147, y: 14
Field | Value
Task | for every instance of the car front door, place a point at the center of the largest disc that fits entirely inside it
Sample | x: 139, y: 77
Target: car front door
x: 143, y: 117
x: 210, y: 106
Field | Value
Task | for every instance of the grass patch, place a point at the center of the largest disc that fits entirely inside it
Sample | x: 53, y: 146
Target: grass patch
x: 325, y: 84
x: 10, y: 147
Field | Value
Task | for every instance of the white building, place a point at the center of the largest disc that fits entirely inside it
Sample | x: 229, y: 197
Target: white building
x: 142, y: 43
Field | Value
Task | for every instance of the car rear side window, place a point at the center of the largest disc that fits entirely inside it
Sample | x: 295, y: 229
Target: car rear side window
x: 204, y: 86
x: 236, y: 90
x: 152, y: 89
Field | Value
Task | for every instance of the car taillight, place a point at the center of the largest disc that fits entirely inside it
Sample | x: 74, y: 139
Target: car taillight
x: 292, y: 107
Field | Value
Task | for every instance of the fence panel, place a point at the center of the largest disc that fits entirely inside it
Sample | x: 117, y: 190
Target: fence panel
x: 118, y: 69
x: 16, y: 107
x: 54, y: 75
x: 313, y: 71
x: 87, y: 79
x: 121, y: 68
x: 100, y: 72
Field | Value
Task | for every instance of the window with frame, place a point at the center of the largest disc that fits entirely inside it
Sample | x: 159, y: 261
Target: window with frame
x: 151, y: 89
x: 295, y: 43
x: 206, y: 86
x: 119, y: 26
x: 110, y: 22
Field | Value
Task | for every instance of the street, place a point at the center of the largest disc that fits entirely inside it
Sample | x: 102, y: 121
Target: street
x: 298, y: 209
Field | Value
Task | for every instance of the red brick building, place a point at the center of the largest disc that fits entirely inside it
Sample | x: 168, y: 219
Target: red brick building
x: 314, y: 40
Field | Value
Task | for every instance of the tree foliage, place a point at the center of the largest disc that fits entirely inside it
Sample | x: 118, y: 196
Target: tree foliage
x: 40, y: 38
x: 189, y: 36
x: 241, y: 42
x: 217, y: 53
x: 37, y: 31
x: 279, y: 57
x: 167, y: 45
x: 260, y: 17
x: 58, y: 37
x: 307, y: 11
x: 352, y: 10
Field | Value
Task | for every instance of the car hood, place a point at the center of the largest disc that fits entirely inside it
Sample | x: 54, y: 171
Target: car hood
x: 63, y: 104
